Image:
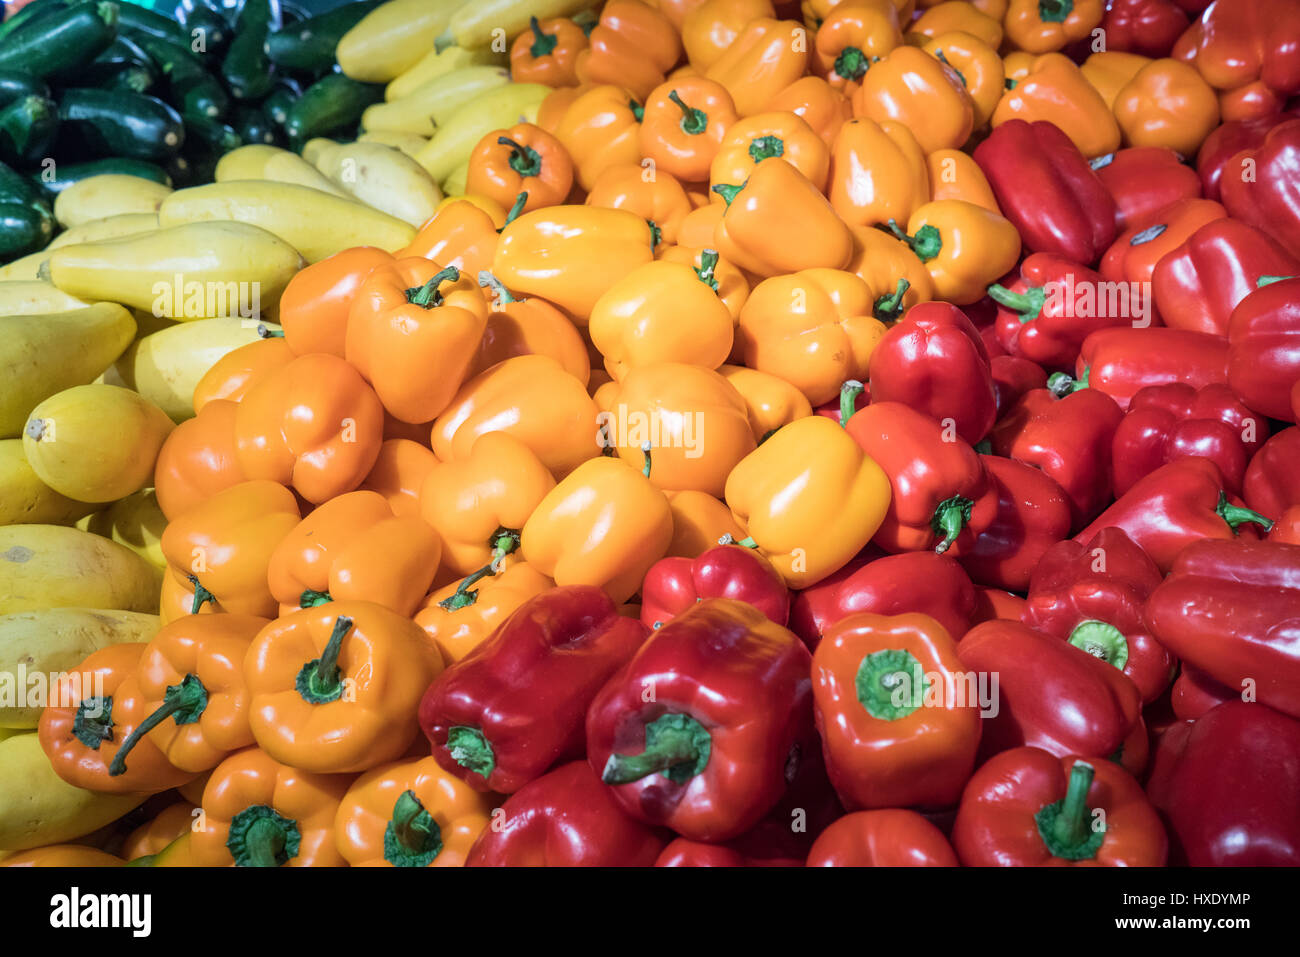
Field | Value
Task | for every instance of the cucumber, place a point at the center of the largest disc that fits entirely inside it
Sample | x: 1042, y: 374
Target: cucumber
x: 190, y: 87
x: 59, y: 45
x: 33, y: 10
x: 208, y: 135
x: 27, y: 129
x: 23, y: 229
x: 332, y: 102
x: 129, y: 125
x: 308, y: 46
x: 145, y: 22
x: 254, y: 126
x: 63, y: 175
x: 246, y: 67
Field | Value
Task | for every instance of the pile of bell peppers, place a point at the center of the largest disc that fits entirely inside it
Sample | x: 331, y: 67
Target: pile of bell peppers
x: 832, y: 434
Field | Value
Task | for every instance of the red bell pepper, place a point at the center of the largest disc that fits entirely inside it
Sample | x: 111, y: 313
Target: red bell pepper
x: 854, y: 396
x: 1068, y: 437
x: 884, y: 838
x: 1272, y: 483
x: 1224, y: 144
x: 699, y: 730
x: 922, y: 582
x: 565, y: 818
x: 1013, y: 377
x: 1242, y: 41
x: 899, y: 725
x: 1047, y: 313
x: 1287, y: 528
x: 1145, y: 179
x: 1132, y: 258
x: 1194, y: 693
x: 514, y: 706
x: 1146, y: 27
x: 935, y: 361
x: 1229, y: 786
x: 1134, y: 753
x: 994, y: 603
x: 1166, y: 422
x: 1092, y: 596
x: 1029, y: 808
x: 674, y: 584
x: 1198, y: 284
x: 941, y: 495
x: 1046, y: 188
x: 687, y: 853
x: 1230, y: 609
x: 1121, y: 361
x: 1033, y: 514
x: 1179, y: 503
x: 1270, y: 197
x: 1264, y: 348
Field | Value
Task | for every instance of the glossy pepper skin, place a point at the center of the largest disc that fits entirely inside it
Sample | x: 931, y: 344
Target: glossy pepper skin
x: 732, y: 707
x: 1132, y: 258
x: 978, y: 67
x: 198, y: 459
x: 1046, y: 188
x: 1121, y: 360
x: 1013, y: 377
x: 1166, y: 103
x: 1091, y: 595
x: 1031, y: 808
x: 878, y: 173
x: 1272, y: 483
x: 526, y: 326
x: 1179, y: 503
x: 1148, y: 27
x: 884, y: 838
x: 1228, y: 785
x: 314, y: 306
x: 460, y: 616
x: 1165, y: 422
x: 941, y: 498
x: 1054, y: 89
x: 514, y: 706
x: 662, y: 202
x: 766, y: 56
x: 849, y: 37
x: 769, y: 135
x: 522, y: 159
x: 911, y: 87
x: 884, y: 262
x: 566, y: 818
x: 1270, y: 199
x: 600, y: 129
x: 895, y: 730
x: 1142, y: 180
x: 1234, y: 45
x: 685, y: 123
x: 673, y: 585
x: 1042, y: 27
x: 547, y: 52
x: 633, y: 44
x: 1226, y: 609
x: 965, y: 247
x: 460, y: 233
x: 1218, y: 155
x: 1264, y: 348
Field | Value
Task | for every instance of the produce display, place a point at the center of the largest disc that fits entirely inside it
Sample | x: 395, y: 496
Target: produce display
x: 650, y: 433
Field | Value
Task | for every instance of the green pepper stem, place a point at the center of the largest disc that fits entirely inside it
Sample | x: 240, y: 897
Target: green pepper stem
x: 1072, y: 823
x: 938, y: 55
x: 266, y: 332
x: 201, y: 596
x: 186, y: 700
x: 261, y: 837
x: 489, y: 281
x: 645, y: 450
x: 950, y: 517
x: 746, y: 542
x: 705, y: 271
x: 1269, y: 280
x: 1235, y: 515
x: 543, y: 43
x: 927, y: 243
x: 313, y: 599
x: 728, y: 191
x: 520, y: 202
x: 766, y: 147
x: 1061, y: 384
x: 427, y: 296
x: 693, y: 122
x: 1054, y: 11
x: 851, y: 64
x: 524, y: 160
x: 462, y: 597
x: 676, y: 744
x: 1101, y: 640
x: 1027, y: 304
x: 319, y: 681
x: 849, y: 393
x: 890, y: 308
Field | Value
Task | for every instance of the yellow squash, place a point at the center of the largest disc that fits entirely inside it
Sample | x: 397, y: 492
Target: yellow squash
x: 110, y: 194
x: 383, y: 178
x: 136, y: 522
x: 427, y: 107
x: 51, y: 566
x: 32, y: 297
x: 110, y: 227
x: 392, y: 38
x: 436, y: 63
x: 24, y: 498
x: 474, y: 25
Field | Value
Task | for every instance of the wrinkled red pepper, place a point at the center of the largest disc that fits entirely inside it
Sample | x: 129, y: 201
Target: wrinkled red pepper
x: 674, y: 584
x: 1264, y: 348
x: 1133, y: 256
x: 1270, y: 198
x: 1145, y: 179
x: 1194, y: 693
x: 1242, y: 41
x: 1122, y: 360
x: 885, y: 838
x: 1272, y: 483
x: 1218, y: 154
x: 1013, y: 377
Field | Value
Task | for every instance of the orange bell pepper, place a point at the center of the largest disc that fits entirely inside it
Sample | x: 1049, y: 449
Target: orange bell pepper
x: 258, y: 812
x: 458, y: 617
x: 770, y: 401
x: 964, y: 247
x: 878, y: 173
x: 556, y: 104
x: 911, y: 87
x: 699, y: 521
x: 521, y: 327
x: 810, y: 498
x: 547, y: 52
x: 314, y: 424
x: 1055, y: 90
x: 601, y: 128
x: 700, y: 226
x: 217, y: 552
x: 335, y: 688
x: 1250, y: 101
x: 1132, y: 257
x: 956, y: 15
x: 778, y: 222
x: 93, y: 709
x: 1016, y: 65
x: 766, y: 57
x: 695, y: 423
x: 889, y: 265
x: 159, y: 831
x: 533, y: 399
x: 955, y: 175
x: 399, y: 472
x: 653, y: 194
x: 523, y: 159
x: 770, y: 135
x: 413, y: 331
x: 684, y: 125
x: 710, y: 29
x: 851, y: 38
x: 1044, y: 26
x: 231, y: 376
x: 604, y: 524
x: 461, y: 234
x: 1167, y: 104
x: 815, y: 12
x: 824, y: 108
x: 732, y: 288
x: 191, y: 678
x: 197, y: 459
x: 354, y: 547
x: 62, y: 855
x: 410, y: 814
x: 314, y: 306
x: 813, y: 328
x: 976, y: 64
x: 1108, y: 71
x: 633, y: 45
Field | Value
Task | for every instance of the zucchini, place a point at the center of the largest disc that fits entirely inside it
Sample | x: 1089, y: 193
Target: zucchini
x: 329, y: 104
x: 129, y: 125
x: 59, y: 45
x: 129, y: 78
x: 63, y: 175
x: 277, y: 104
x: 16, y: 188
x: 204, y: 135
x: 209, y: 31
x: 15, y: 84
x: 254, y: 126
x: 246, y: 68
x: 122, y: 66
x: 308, y: 46
x: 191, y: 88
x: 24, y: 228
x: 33, y: 10
x: 27, y: 129
x: 147, y: 23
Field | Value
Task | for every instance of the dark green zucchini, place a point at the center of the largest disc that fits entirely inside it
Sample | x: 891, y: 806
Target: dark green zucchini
x: 246, y: 68
x: 209, y: 33
x: 62, y: 175
x: 123, y: 66
x: 208, y: 135
x: 129, y: 78
x: 190, y: 87
x: 58, y: 46
x: 110, y: 123
x: 278, y: 102
x: 15, y: 84
x: 329, y: 104
x: 29, y: 13
x: 27, y: 129
x: 308, y: 46
x: 139, y: 20
x: 24, y: 229
x: 254, y: 126
x: 17, y: 188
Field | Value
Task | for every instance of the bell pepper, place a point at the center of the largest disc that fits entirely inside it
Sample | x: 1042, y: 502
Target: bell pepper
x: 1148, y: 27
x: 1054, y: 90
x: 314, y: 306
x: 1229, y: 786
x: 1222, y: 610
x: 884, y: 838
x: 1167, y: 104
x: 1179, y: 503
x: 1272, y: 482
x: 195, y: 698
x: 1031, y: 808
x: 522, y: 159
x: 1194, y: 693
x: 1142, y: 180
x: 977, y: 65
x: 699, y: 522
x: 1121, y: 360
x: 888, y: 264
x: 807, y: 537
x: 261, y: 813
x: 460, y: 234
x: 159, y: 831
x: 765, y: 57
x: 681, y: 852
x: 813, y: 328
x: 935, y: 362
x: 955, y: 175
x: 995, y: 603
x: 965, y: 247
x: 850, y: 37
x: 1268, y: 198
x: 1043, y: 26
x: 197, y: 459
x: 770, y: 400
x: 1012, y: 378
x: 399, y: 472
x: 1219, y: 151
x: 822, y: 107
x: 1051, y: 694
x: 1091, y: 595
x: 674, y: 584
x: 947, y: 17
x: 219, y: 550
x: 633, y: 44
x: 458, y: 617
x: 920, y: 91
x: 877, y: 173
x: 1133, y: 256
x: 409, y: 814
x: 941, y: 498
x: 600, y: 129
x: 686, y: 121
x: 92, y: 710
x: 62, y: 855
x: 527, y: 326
x: 334, y: 688
x: 697, y: 730
x: 547, y: 52
x: 1070, y: 438
x: 565, y: 818
x: 231, y: 376
x: 514, y: 706
x: 1109, y: 71
x: 660, y: 200
x: 1236, y: 44
x: 1046, y: 188
x: 770, y: 135
x: 1287, y: 527
x: 1263, y: 362
x: 1165, y: 422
